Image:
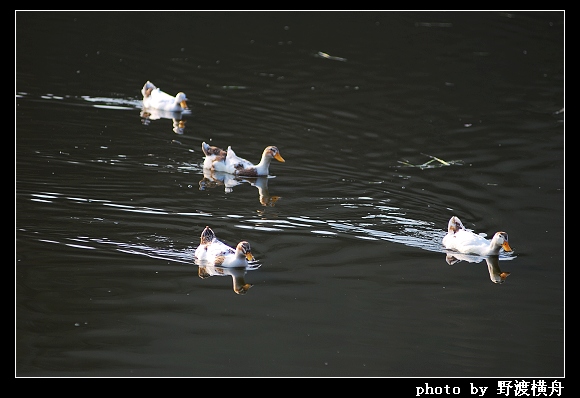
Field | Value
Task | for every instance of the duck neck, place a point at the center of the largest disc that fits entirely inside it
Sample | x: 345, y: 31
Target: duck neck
x: 494, y: 248
x: 263, y: 166
x: 239, y: 254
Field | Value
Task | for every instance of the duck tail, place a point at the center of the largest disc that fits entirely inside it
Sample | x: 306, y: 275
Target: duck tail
x: 207, y: 235
x: 205, y: 148
x: 209, y: 150
x: 454, y: 225
x: 147, y: 88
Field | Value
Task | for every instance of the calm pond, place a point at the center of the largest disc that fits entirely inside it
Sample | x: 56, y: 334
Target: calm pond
x: 389, y: 123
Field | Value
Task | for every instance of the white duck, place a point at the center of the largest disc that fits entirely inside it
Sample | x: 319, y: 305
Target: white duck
x: 153, y: 97
x: 458, y: 238
x: 215, y: 252
x: 228, y: 162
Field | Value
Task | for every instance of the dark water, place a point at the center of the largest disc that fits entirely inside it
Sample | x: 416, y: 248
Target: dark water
x: 352, y: 278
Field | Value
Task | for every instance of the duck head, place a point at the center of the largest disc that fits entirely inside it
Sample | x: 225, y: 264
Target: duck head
x: 181, y: 98
x: 273, y: 152
x: 244, y: 249
x: 501, y: 239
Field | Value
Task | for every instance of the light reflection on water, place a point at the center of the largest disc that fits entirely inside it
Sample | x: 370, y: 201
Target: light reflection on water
x: 97, y: 102
x: 379, y: 222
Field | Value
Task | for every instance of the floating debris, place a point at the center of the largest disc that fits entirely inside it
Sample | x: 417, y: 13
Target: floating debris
x: 328, y: 56
x: 434, y: 162
x: 434, y: 24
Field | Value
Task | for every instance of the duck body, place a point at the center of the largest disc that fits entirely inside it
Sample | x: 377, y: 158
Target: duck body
x: 462, y: 240
x: 228, y: 162
x: 154, y: 98
x: 214, y: 252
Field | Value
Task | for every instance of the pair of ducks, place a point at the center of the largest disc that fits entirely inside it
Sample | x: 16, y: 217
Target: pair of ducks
x: 214, y: 253
x: 212, y: 250
x: 216, y: 159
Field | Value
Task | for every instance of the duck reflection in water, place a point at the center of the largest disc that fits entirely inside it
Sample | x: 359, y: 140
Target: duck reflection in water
x: 496, y: 275
x: 149, y: 114
x: 205, y: 270
x: 212, y: 179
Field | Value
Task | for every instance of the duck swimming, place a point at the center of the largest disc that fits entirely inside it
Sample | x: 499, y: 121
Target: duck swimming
x: 215, y: 252
x: 228, y: 162
x: 460, y: 239
x: 153, y: 97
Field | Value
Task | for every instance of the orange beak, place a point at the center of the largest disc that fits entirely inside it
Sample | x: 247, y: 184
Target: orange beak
x: 249, y: 256
x: 279, y: 158
x: 506, y: 246
x: 183, y: 104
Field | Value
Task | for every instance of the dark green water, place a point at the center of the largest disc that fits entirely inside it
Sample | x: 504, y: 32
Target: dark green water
x: 353, y: 279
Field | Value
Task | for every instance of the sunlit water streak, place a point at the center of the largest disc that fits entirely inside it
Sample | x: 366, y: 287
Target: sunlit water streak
x: 85, y: 100
x: 382, y: 223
